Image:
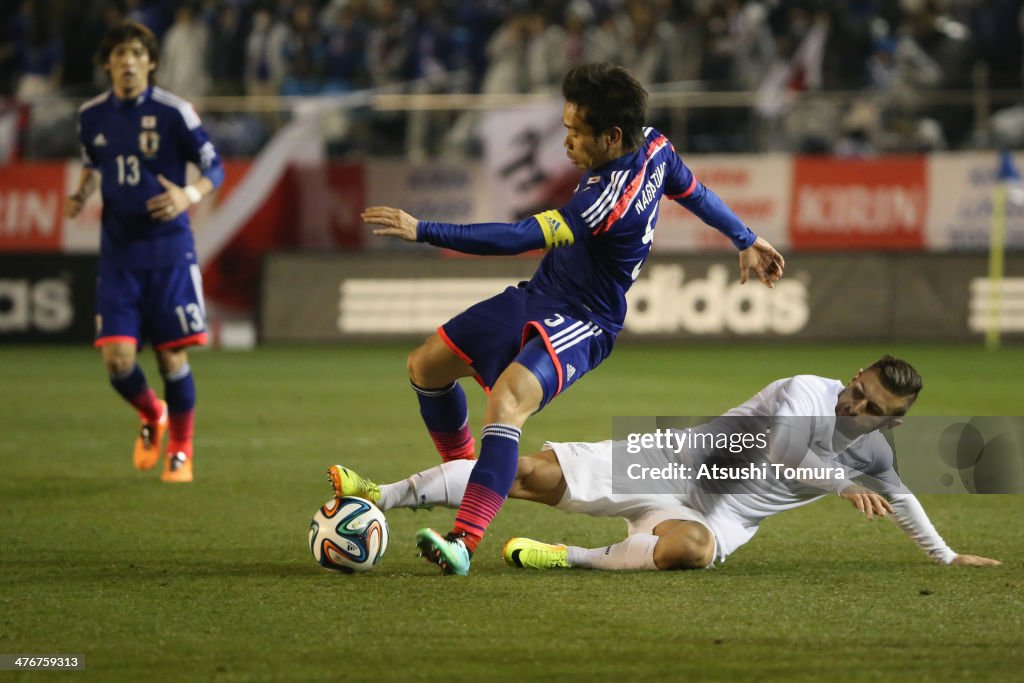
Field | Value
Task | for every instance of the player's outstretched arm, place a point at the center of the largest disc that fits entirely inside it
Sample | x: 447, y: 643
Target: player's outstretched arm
x: 910, y: 516
x: 473, y: 238
x: 764, y: 260
x: 962, y: 560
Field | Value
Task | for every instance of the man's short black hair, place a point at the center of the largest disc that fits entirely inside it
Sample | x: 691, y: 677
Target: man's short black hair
x: 898, y: 376
x: 609, y: 97
x: 124, y: 32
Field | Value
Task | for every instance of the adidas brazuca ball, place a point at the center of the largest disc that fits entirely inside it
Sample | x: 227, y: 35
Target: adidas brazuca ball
x: 348, y: 535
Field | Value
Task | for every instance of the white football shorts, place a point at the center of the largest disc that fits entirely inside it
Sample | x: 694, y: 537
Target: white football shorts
x: 587, y: 468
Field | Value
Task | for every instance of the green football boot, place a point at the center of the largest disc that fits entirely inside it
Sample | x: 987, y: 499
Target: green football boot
x: 348, y: 483
x: 447, y: 552
x: 526, y: 553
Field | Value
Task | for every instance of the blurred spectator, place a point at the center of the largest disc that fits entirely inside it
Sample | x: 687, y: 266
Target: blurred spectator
x: 304, y: 53
x: 650, y: 45
x: 507, y: 73
x: 995, y: 25
x: 718, y: 62
x: 361, y: 11
x: 265, y: 65
x: 81, y: 25
x: 38, y: 56
x: 146, y: 12
x: 909, y: 54
x: 508, y: 50
x: 802, y: 32
x: 38, y: 52
x: 569, y: 40
x: 386, y: 54
x: 477, y: 20
x: 387, y: 50
x: 861, y: 133
x: 345, y: 60
x: 430, y: 48
x: 933, y: 52
x: 227, y: 49
x: 427, y: 66
x: 754, y: 47
x: 183, y: 57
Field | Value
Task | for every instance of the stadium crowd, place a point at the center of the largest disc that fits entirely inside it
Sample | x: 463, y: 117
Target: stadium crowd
x: 894, y: 50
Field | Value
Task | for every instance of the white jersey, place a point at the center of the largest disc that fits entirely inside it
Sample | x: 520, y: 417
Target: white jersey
x: 734, y: 517
x: 868, y: 457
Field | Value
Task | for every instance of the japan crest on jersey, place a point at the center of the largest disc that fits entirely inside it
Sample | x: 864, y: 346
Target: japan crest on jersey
x: 149, y: 142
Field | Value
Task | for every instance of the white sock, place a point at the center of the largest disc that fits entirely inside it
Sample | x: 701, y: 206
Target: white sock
x: 441, y: 485
x: 635, y: 552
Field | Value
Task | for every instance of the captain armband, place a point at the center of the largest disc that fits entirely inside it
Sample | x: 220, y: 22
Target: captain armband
x: 557, y: 232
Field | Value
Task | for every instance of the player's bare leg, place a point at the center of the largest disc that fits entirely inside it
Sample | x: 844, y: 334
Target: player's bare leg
x: 433, y: 364
x: 118, y: 357
x: 180, y: 392
x: 539, y: 479
x: 434, y: 369
x: 127, y: 378
x: 515, y: 396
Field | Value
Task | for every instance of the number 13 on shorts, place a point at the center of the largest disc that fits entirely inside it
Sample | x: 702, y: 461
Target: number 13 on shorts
x: 191, y: 318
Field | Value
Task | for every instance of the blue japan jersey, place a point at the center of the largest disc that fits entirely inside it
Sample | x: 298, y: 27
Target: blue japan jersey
x: 598, y: 242
x: 612, y: 217
x: 130, y: 143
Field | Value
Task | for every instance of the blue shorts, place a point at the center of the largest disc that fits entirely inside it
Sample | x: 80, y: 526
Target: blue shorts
x: 163, y: 306
x: 558, y: 343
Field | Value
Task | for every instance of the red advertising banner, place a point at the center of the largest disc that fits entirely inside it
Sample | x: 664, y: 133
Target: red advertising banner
x: 859, y: 203
x: 757, y: 188
x: 311, y: 207
x: 31, y: 202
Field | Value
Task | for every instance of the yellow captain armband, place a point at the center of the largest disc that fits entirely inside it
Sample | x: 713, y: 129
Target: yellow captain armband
x: 557, y: 232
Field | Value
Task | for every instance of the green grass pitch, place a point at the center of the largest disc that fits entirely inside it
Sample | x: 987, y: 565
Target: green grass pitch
x: 213, y: 581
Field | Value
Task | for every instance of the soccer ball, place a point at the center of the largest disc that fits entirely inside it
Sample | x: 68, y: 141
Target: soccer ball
x: 348, y: 535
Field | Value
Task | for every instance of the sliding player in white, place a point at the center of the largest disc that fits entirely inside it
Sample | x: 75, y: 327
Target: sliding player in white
x: 695, y: 529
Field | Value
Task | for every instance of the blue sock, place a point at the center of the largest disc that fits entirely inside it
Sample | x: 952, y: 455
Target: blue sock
x: 180, y: 390
x: 132, y: 387
x: 489, y: 482
x: 444, y: 409
x: 131, y: 383
x: 446, y: 415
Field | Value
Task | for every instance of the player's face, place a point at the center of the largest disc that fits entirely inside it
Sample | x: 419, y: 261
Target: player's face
x: 584, y: 148
x: 129, y: 66
x: 866, y: 405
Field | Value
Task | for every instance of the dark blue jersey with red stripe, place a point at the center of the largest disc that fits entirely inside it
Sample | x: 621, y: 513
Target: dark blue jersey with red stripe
x: 131, y: 142
x: 599, y: 241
